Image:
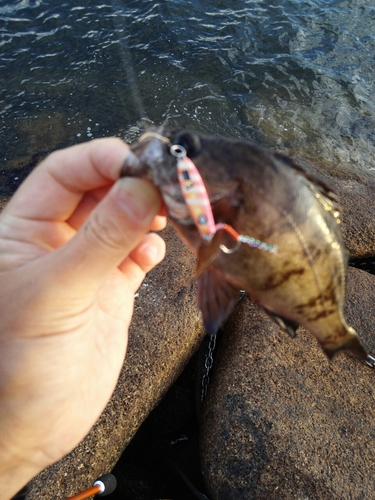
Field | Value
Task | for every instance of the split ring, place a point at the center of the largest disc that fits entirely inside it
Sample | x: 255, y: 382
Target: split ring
x: 178, y: 151
x: 230, y: 250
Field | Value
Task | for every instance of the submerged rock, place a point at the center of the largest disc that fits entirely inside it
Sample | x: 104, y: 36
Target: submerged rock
x: 280, y: 420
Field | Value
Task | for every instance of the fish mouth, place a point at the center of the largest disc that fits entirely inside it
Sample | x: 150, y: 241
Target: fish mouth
x: 175, y: 203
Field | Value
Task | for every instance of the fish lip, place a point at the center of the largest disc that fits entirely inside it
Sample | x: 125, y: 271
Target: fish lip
x: 175, y: 203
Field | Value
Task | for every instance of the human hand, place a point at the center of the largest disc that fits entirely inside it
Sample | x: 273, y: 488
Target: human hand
x: 73, y: 251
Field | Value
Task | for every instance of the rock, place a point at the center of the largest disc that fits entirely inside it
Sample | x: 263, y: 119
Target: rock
x: 166, y: 330
x: 357, y: 202
x: 281, y: 420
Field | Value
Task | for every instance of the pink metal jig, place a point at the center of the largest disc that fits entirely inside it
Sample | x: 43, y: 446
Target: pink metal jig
x: 199, y: 206
x: 194, y: 193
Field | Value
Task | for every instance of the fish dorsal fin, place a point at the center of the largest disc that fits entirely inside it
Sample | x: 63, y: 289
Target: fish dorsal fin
x: 216, y: 299
x: 327, y: 198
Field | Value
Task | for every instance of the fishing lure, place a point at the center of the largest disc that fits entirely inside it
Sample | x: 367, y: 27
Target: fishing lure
x: 199, y: 206
x: 194, y: 193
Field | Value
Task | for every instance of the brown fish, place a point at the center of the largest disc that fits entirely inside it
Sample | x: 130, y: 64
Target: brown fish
x: 292, y: 262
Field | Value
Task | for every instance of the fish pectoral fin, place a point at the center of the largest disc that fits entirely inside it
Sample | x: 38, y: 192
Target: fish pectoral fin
x: 288, y: 326
x: 207, y: 253
x: 216, y: 299
x: 352, y: 345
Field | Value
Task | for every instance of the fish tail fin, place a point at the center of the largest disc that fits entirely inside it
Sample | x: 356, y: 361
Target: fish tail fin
x: 352, y: 345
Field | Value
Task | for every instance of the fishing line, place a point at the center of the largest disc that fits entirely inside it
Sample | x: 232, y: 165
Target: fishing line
x: 127, y: 61
x: 154, y: 134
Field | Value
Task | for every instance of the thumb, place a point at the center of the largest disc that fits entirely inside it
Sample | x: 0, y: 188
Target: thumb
x: 114, y: 228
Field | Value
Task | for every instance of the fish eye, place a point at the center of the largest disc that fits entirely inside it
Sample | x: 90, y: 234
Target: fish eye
x: 190, y: 141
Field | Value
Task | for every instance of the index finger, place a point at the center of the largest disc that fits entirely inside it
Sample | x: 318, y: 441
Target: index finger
x: 54, y: 189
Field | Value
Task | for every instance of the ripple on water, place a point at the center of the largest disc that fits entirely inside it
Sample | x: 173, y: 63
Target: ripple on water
x: 297, y: 75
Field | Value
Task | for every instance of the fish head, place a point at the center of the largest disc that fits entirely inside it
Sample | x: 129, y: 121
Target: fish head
x: 151, y: 158
x: 154, y: 157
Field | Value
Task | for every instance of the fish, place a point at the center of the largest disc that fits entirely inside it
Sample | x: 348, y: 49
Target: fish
x: 258, y: 222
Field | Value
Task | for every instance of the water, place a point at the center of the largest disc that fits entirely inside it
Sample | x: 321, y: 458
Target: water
x: 295, y: 75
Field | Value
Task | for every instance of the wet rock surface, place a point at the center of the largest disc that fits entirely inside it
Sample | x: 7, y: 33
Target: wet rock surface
x: 280, y: 420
